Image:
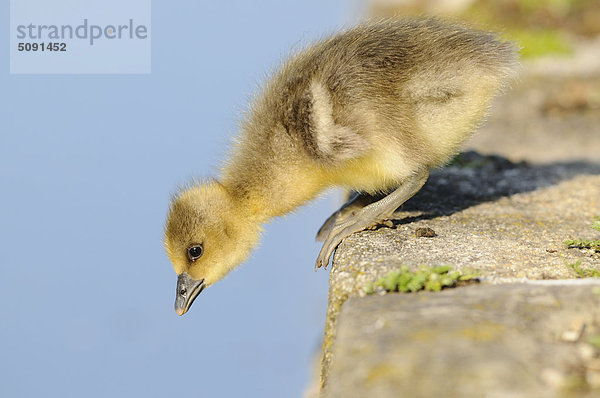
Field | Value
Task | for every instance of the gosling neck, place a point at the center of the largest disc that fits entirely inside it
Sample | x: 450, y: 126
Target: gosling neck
x: 264, y: 201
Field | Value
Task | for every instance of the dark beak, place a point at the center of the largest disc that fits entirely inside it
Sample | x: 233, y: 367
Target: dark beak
x: 187, y: 291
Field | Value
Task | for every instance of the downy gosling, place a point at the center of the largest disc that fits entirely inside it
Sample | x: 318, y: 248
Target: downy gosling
x: 371, y: 109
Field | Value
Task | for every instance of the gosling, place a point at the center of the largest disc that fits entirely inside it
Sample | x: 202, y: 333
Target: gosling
x: 372, y: 109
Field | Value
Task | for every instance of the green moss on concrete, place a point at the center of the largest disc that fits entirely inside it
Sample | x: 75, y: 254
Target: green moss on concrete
x: 586, y: 243
x: 596, y: 224
x: 582, y: 272
x: 425, y: 278
x: 583, y: 244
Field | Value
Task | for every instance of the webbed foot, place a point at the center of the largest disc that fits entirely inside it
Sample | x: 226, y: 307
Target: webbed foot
x: 356, y: 202
x: 368, y: 216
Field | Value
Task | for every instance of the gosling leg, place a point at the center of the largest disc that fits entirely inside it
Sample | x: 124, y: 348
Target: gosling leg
x: 357, y: 201
x: 369, y: 215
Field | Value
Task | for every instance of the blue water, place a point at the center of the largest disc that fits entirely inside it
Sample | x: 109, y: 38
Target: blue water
x: 87, y: 164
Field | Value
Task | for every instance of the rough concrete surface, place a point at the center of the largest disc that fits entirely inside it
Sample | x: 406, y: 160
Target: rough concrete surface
x: 530, y: 182
x: 510, y: 340
x: 506, y: 223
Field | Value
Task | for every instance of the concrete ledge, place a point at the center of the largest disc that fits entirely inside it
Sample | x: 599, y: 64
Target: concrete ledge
x: 513, y: 340
x: 503, y: 222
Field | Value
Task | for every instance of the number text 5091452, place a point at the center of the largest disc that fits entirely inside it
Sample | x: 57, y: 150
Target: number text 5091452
x: 42, y: 46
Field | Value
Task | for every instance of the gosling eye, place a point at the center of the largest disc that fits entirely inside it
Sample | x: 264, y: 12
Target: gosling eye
x: 195, y: 252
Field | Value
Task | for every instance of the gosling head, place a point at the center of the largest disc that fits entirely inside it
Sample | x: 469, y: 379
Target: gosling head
x: 206, y: 236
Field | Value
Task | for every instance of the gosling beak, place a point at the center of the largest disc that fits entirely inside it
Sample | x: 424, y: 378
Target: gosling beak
x: 187, y: 291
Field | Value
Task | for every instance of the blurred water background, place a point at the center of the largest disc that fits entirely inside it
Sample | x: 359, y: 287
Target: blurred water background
x: 87, y: 165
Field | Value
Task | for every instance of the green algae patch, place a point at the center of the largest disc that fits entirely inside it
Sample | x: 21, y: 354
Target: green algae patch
x: 596, y: 224
x: 586, y: 243
x: 583, y: 272
x: 425, y: 278
x: 583, y: 244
